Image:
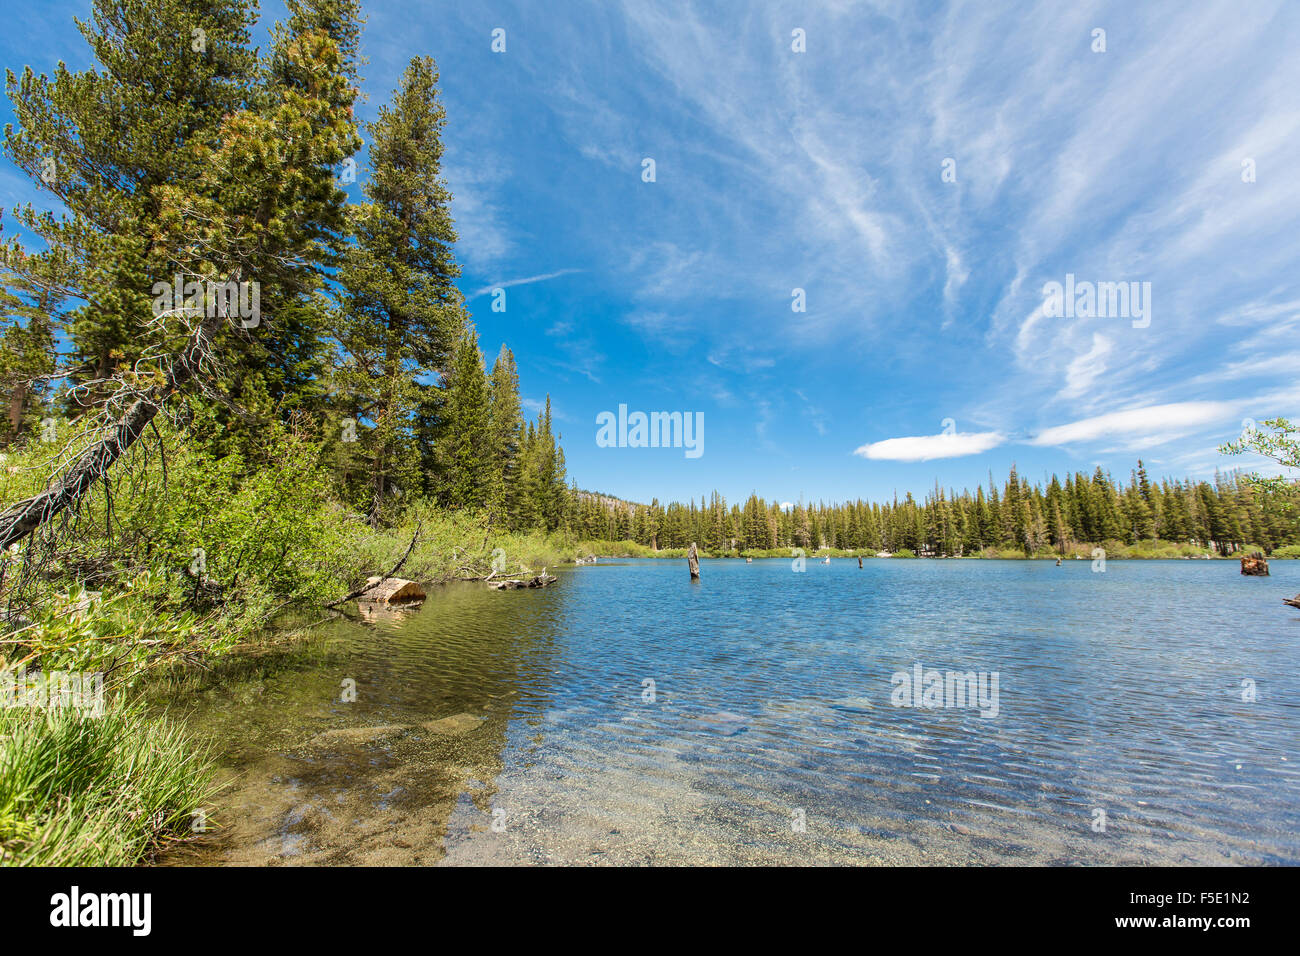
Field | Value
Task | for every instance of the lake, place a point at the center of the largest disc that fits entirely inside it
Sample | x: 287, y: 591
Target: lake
x: 1146, y: 714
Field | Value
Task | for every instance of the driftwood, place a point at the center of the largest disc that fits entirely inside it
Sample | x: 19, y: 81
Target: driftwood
x: 392, y: 591
x: 1254, y: 564
x: 693, y: 560
x: 1294, y: 602
x: 538, y: 581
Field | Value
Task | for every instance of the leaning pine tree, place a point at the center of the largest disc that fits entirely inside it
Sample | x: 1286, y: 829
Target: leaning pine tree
x: 255, y: 202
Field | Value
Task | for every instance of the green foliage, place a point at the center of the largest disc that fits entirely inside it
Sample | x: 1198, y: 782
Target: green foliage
x: 264, y: 531
x: 120, y: 633
x: 201, y: 551
x: 1282, y: 444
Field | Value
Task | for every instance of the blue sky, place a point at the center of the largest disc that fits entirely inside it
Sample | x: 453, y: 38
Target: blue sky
x: 823, y: 171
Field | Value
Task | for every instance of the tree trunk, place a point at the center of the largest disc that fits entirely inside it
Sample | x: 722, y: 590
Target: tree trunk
x: 694, y: 561
x: 17, y: 405
x: 25, y: 517
x: 1254, y: 564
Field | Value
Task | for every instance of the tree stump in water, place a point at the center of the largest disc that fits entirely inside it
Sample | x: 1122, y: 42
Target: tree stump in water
x: 859, y: 562
x: 1254, y: 564
x: 693, y: 560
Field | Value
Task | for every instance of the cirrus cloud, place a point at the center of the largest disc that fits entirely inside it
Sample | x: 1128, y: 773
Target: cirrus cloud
x: 1152, y: 420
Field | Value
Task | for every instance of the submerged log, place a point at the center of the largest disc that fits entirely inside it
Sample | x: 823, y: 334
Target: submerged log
x: 1254, y: 564
x: 1294, y: 602
x: 693, y: 560
x: 392, y: 591
x: 537, y: 581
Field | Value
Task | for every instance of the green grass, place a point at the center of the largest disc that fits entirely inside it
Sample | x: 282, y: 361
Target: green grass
x: 78, y: 790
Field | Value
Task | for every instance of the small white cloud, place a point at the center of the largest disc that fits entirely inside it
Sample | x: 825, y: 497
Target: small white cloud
x: 929, y: 447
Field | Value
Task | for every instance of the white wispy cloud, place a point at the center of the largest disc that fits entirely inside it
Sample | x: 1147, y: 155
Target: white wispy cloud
x: 1152, y: 421
x: 525, y: 280
x: 1081, y: 373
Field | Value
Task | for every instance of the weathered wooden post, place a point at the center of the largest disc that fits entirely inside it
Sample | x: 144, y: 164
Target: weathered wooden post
x: 694, y: 561
x: 859, y: 562
x: 1254, y: 564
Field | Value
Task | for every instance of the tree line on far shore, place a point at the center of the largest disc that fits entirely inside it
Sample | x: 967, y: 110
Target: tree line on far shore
x: 1226, y: 515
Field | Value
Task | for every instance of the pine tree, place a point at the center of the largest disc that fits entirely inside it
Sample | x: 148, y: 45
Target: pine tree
x: 464, y: 450
x: 400, y: 311
x: 505, y: 417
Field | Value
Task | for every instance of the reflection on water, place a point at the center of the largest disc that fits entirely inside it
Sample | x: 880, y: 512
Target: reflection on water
x: 627, y: 715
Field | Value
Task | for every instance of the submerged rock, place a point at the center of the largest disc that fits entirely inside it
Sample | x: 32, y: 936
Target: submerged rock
x: 353, y: 736
x: 454, y: 725
x: 724, y: 724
